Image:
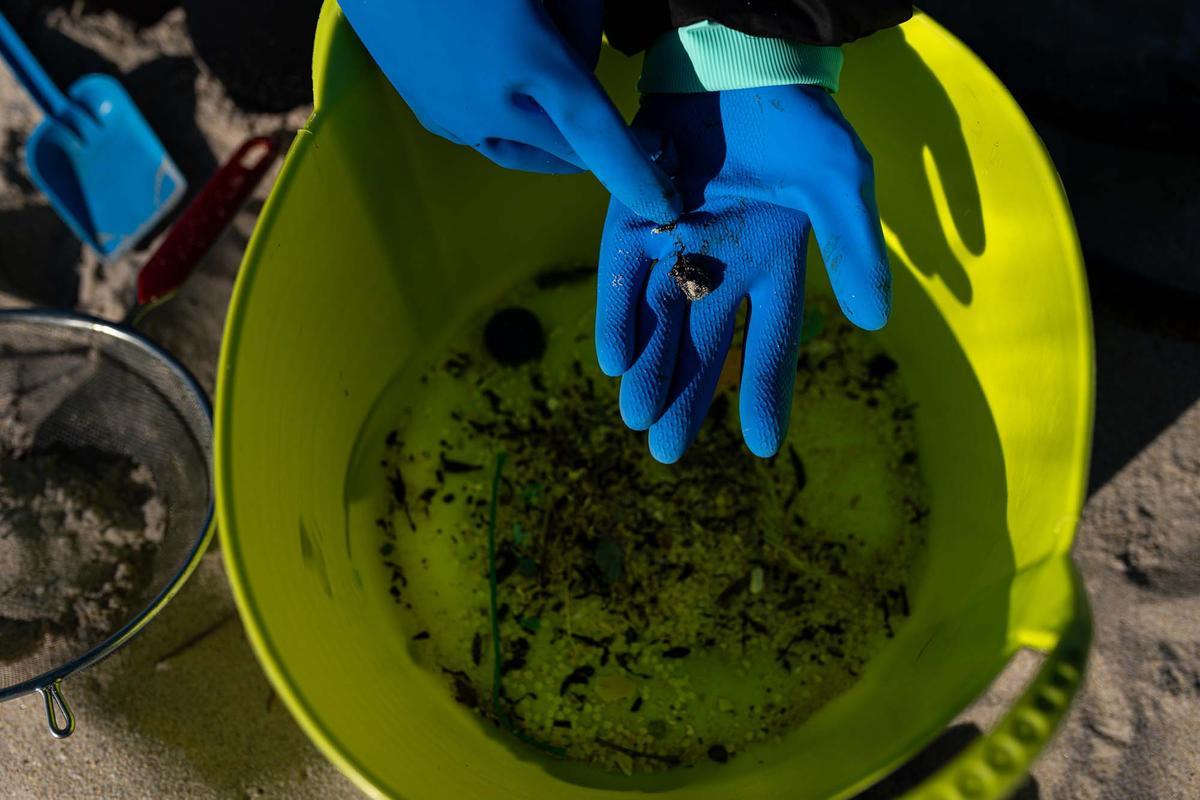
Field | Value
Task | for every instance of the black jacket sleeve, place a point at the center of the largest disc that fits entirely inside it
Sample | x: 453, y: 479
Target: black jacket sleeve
x: 632, y: 25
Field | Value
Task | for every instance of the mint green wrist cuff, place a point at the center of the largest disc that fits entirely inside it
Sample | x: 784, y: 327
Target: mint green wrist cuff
x: 708, y: 57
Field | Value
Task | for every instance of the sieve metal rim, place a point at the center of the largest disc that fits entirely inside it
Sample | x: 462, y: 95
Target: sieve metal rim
x: 50, y: 678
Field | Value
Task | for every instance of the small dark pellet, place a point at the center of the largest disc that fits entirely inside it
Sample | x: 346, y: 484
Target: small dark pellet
x: 718, y: 753
x: 880, y: 367
x: 514, y: 336
x: 692, y: 279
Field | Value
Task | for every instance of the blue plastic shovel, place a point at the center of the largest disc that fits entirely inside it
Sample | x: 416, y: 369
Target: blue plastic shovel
x: 105, y: 172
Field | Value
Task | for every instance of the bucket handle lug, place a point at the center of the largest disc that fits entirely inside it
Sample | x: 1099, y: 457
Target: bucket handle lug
x: 995, y: 765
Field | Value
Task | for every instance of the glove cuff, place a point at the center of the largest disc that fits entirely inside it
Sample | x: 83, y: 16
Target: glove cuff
x: 708, y: 57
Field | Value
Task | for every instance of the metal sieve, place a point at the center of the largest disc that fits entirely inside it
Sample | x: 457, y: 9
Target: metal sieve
x: 77, y: 382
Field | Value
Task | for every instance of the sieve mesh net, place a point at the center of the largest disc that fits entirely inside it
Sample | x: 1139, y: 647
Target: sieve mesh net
x: 91, y: 402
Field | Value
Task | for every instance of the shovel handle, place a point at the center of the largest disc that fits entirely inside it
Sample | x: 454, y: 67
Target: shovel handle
x: 30, y: 73
x: 205, y: 218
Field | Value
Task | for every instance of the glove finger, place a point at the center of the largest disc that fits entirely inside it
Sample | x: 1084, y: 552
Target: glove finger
x: 621, y: 282
x: 702, y: 353
x: 846, y: 223
x: 837, y: 193
x: 595, y: 130
x: 660, y: 318
x: 769, y: 368
x: 520, y: 156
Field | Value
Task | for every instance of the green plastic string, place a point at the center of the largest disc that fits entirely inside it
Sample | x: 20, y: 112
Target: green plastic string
x: 501, y: 457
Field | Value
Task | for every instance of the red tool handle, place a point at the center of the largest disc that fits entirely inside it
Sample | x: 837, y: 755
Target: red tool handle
x: 205, y: 218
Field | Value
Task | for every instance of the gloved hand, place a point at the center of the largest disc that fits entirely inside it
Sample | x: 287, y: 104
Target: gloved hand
x: 513, y: 79
x: 757, y: 169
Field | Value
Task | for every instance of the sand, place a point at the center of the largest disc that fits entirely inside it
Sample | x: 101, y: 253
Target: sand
x: 185, y: 711
x: 78, y: 530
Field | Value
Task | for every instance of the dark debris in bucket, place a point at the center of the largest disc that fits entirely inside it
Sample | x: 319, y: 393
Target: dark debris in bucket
x: 616, y: 584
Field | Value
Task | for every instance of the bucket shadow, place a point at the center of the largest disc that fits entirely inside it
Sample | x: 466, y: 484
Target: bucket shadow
x: 1147, y: 364
x: 38, y: 256
x: 190, y: 684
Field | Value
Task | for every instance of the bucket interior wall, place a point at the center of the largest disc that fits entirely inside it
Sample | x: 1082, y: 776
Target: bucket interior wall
x: 380, y: 238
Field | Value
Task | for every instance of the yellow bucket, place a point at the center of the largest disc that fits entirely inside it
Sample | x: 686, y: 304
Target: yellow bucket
x: 378, y: 236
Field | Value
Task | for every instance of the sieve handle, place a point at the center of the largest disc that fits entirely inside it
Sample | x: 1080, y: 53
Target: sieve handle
x: 205, y: 218
x: 56, y: 707
x: 997, y: 763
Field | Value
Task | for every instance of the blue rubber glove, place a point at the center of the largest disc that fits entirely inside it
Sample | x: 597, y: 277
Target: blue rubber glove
x: 513, y: 79
x: 757, y: 169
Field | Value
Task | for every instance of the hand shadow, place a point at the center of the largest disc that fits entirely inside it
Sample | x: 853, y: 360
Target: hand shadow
x: 909, y: 96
